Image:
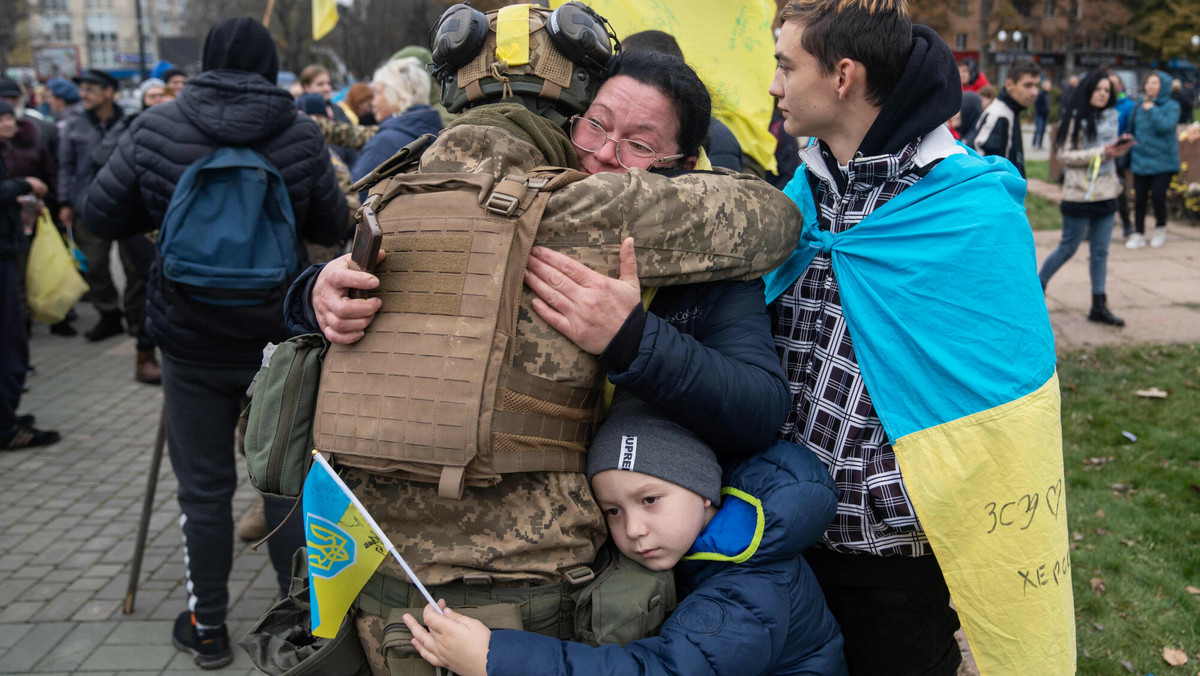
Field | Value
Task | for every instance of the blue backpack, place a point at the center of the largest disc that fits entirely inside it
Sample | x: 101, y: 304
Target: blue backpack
x: 229, y: 234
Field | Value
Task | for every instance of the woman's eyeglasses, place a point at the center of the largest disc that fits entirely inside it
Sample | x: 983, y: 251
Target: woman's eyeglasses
x: 588, y: 135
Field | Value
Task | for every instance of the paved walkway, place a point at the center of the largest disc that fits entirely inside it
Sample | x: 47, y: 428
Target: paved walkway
x: 69, y: 516
x: 1156, y: 291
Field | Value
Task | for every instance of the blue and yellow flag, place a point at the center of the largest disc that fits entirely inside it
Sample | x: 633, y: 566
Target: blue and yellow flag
x: 940, y: 293
x: 343, y: 549
x: 732, y: 48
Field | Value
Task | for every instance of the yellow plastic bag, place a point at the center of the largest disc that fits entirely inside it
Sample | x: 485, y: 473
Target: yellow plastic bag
x: 52, y: 283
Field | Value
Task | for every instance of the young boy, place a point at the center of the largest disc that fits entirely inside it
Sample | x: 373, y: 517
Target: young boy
x: 752, y: 605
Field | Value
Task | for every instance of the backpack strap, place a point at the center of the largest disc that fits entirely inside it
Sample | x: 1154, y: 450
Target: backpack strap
x: 537, y: 424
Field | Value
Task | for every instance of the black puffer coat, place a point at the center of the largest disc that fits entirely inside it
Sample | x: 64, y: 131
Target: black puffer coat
x: 218, y: 108
x: 11, y: 228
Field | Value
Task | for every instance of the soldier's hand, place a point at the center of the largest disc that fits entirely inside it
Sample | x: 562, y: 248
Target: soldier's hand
x: 585, y: 306
x: 456, y: 642
x: 341, y: 318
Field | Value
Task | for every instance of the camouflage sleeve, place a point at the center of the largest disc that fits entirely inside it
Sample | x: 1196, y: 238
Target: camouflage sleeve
x: 344, y: 134
x: 342, y: 172
x: 688, y: 228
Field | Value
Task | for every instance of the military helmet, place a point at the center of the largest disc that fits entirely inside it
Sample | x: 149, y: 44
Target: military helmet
x: 552, y: 62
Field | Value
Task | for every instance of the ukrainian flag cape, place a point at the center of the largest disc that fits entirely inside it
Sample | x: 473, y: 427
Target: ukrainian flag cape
x: 940, y: 293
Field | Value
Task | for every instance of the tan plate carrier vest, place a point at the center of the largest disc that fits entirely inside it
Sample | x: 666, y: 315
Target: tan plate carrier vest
x: 430, y: 392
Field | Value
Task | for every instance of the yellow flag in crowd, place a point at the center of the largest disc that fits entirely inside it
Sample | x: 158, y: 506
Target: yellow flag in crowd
x: 325, y: 17
x: 732, y: 48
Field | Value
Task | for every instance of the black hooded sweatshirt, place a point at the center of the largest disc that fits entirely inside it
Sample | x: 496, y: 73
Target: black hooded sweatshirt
x: 926, y: 96
x: 234, y: 102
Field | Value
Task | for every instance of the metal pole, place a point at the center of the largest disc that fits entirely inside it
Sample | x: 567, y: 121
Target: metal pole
x: 141, y: 41
x: 135, y: 566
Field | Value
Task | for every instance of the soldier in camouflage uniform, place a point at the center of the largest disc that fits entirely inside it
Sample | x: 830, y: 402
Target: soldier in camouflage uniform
x: 516, y: 540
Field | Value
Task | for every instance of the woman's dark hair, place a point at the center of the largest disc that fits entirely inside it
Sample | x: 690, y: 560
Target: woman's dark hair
x: 1078, y: 109
x: 677, y: 81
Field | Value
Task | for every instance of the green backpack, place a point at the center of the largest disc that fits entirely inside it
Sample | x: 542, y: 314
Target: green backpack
x: 279, y: 427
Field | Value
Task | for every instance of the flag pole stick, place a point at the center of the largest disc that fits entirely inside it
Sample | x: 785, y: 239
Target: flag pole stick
x: 267, y: 14
x: 377, y: 530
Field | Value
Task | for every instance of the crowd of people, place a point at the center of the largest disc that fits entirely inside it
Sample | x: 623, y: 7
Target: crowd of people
x: 1128, y: 146
x: 752, y: 451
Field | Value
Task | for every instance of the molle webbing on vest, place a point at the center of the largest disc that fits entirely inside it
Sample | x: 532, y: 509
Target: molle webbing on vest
x: 430, y: 393
x: 542, y: 61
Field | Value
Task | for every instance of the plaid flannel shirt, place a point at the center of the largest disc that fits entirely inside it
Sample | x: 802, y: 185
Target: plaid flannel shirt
x: 831, y: 409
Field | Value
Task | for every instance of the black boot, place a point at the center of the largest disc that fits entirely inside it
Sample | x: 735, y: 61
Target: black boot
x: 1100, y: 311
x: 108, y: 326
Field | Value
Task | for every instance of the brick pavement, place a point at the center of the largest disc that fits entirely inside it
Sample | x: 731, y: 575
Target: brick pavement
x: 69, y: 516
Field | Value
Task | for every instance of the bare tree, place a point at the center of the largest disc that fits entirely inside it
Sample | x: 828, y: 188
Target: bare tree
x: 14, y: 15
x: 937, y: 14
x: 362, y: 42
x: 1087, y: 21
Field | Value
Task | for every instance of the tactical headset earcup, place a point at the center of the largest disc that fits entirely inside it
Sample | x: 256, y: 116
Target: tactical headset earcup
x: 458, y: 37
x: 580, y: 34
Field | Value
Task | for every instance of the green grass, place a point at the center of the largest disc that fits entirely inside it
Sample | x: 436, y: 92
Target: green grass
x: 1037, y: 169
x: 1043, y: 214
x: 1138, y: 514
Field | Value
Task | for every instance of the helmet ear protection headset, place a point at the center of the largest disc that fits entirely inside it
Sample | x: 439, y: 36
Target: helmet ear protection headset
x: 582, y: 35
x: 456, y: 39
x: 576, y: 32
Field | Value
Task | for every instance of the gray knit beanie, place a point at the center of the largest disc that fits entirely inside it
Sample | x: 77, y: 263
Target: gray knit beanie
x: 637, y: 437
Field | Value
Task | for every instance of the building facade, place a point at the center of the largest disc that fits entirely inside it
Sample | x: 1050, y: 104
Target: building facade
x: 1042, y: 31
x: 101, y: 34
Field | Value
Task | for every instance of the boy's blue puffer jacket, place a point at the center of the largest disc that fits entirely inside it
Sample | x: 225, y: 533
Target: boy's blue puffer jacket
x: 763, y: 615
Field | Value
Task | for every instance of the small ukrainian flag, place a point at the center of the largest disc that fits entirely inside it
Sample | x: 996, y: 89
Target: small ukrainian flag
x: 343, y: 549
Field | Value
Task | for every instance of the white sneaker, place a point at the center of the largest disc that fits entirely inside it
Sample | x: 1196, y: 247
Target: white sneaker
x: 1160, y: 236
x: 1135, y: 241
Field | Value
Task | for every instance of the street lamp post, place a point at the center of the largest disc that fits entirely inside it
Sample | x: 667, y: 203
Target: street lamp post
x: 1006, y: 39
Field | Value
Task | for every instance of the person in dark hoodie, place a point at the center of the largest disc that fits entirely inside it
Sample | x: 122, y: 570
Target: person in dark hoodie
x: 211, y: 353
x: 999, y: 129
x: 16, y: 432
x: 896, y: 216
x: 968, y: 74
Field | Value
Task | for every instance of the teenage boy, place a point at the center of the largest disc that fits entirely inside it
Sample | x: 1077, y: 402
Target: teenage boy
x: 752, y: 604
x: 914, y: 333
x: 1000, y: 127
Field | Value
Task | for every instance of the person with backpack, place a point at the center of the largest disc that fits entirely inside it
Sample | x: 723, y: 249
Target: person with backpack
x: 233, y: 176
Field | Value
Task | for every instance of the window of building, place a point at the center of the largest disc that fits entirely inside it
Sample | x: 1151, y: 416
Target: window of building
x: 1049, y: 9
x: 56, y: 28
x: 960, y: 41
x: 1047, y: 44
x: 965, y: 7
x: 1023, y: 7
x: 102, y: 40
x: 46, y: 6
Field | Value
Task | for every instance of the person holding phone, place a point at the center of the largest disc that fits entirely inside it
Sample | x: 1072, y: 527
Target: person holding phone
x: 1088, y: 143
